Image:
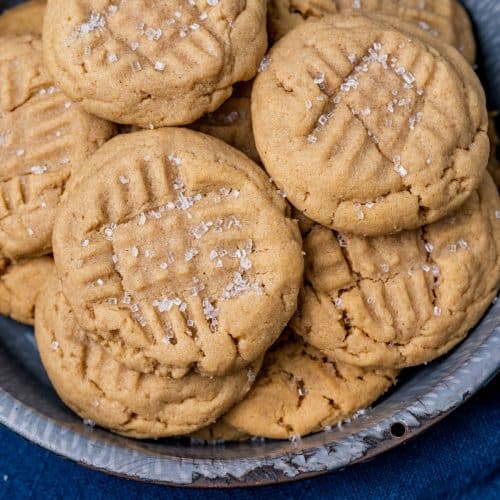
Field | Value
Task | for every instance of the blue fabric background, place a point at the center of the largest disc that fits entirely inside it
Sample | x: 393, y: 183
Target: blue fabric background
x: 457, y: 458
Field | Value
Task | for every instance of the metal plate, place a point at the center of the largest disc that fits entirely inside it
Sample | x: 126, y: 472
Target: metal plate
x: 29, y: 406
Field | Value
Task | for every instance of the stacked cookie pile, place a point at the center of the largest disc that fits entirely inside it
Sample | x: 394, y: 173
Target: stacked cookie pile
x: 270, y: 285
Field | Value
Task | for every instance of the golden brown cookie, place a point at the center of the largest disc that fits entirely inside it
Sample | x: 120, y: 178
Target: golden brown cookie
x: 494, y: 163
x: 221, y: 431
x: 299, y: 391
x: 175, y: 252
x: 27, y: 17
x: 444, y: 19
x: 43, y: 136
x: 401, y: 300
x: 102, y: 390
x: 20, y: 283
x: 370, y: 130
x: 153, y: 63
x: 232, y: 122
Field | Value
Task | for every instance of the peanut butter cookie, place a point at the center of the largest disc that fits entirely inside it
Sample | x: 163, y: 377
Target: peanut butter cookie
x: 444, y: 19
x: 26, y: 17
x: 20, y: 283
x: 175, y: 252
x: 153, y: 63
x: 103, y: 391
x: 371, y: 130
x: 43, y: 136
x: 232, y: 122
x: 401, y: 300
x: 221, y: 431
x: 299, y: 391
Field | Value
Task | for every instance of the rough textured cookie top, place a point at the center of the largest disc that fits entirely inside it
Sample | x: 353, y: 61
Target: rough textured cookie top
x: 175, y: 249
x: 368, y: 129
x: 26, y: 17
x: 43, y: 136
x: 443, y: 19
x: 153, y: 63
x: 405, y: 299
x: 104, y: 392
x: 299, y: 391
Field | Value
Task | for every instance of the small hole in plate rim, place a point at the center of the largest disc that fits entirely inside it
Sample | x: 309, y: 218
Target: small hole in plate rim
x: 398, y: 429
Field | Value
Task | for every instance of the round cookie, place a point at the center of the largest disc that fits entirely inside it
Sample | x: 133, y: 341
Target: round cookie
x: 444, y: 19
x: 175, y: 253
x: 219, y: 432
x: 27, y: 17
x: 20, y: 283
x: 153, y: 63
x: 401, y: 300
x: 43, y: 136
x: 299, y: 391
x: 232, y: 122
x: 102, y: 390
x: 371, y: 130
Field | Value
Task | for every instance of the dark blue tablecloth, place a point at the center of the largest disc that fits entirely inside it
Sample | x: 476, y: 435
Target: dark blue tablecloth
x: 457, y: 458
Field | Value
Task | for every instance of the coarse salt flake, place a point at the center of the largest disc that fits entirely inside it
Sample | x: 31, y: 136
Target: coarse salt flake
x: 211, y: 314
x: 190, y: 254
x: 264, y: 64
x: 175, y: 160
x: 357, y: 210
x: 319, y: 79
x: 38, y: 169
